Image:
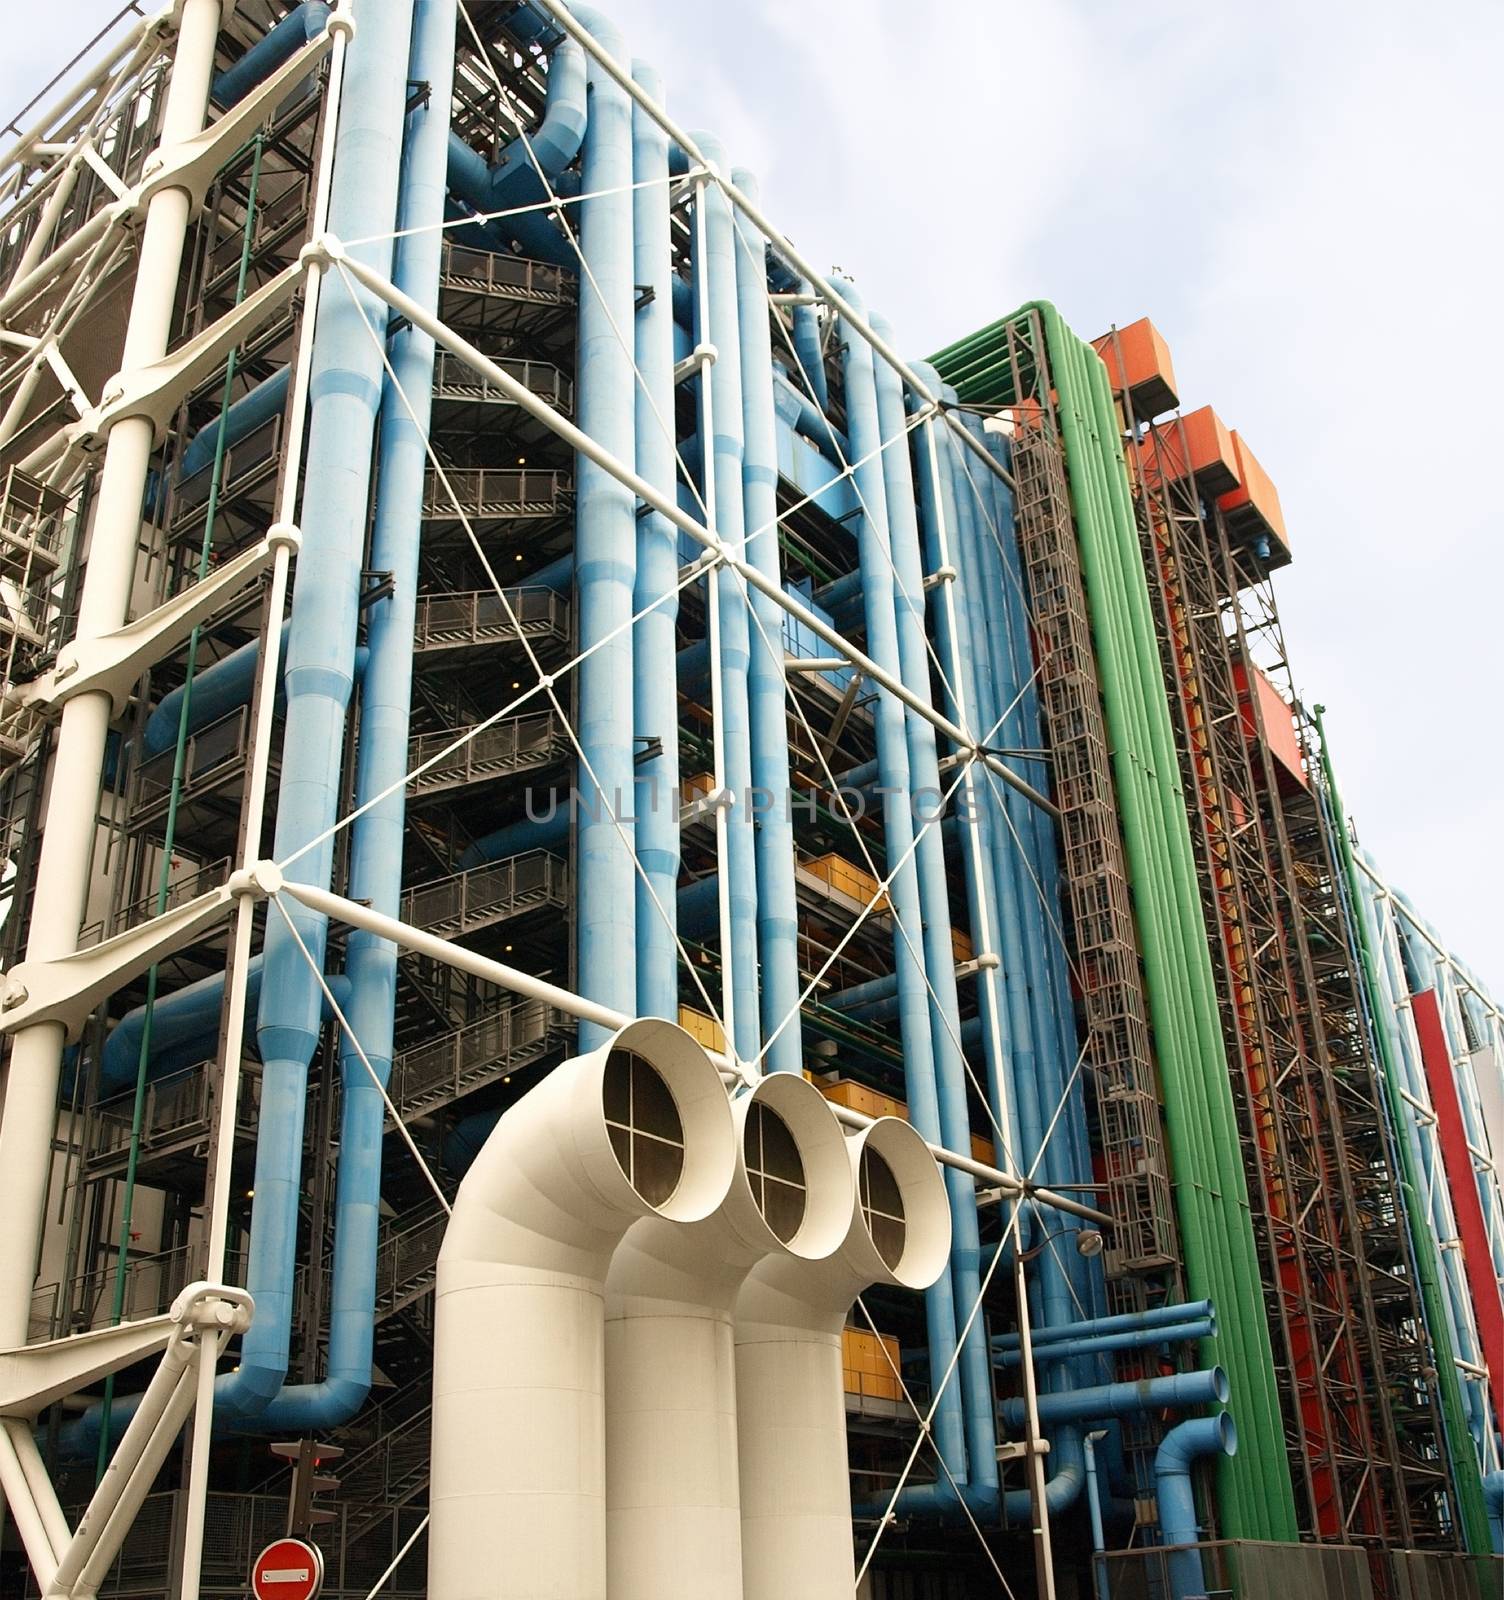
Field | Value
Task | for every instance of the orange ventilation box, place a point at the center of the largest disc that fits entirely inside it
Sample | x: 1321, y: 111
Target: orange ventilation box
x: 1252, y: 510
x: 1198, y: 444
x: 1279, y: 726
x: 1138, y: 359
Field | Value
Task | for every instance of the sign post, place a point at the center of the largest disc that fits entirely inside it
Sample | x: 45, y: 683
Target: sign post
x: 288, y: 1569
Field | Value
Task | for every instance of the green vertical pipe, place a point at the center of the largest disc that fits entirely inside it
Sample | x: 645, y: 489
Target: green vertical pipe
x: 1210, y: 1054
x: 1205, y: 1254
x: 1210, y: 1188
x: 179, y: 760
x: 1472, y: 1512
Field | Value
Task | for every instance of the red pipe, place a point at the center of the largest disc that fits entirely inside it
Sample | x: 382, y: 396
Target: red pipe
x: 1462, y: 1180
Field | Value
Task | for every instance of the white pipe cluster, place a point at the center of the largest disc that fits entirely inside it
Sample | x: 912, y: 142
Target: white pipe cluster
x: 637, y: 1367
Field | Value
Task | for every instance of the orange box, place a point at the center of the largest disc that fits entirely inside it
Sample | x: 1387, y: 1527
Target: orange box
x: 695, y: 787
x: 1279, y: 723
x: 706, y: 1029
x: 1253, y: 509
x: 848, y: 879
x: 1138, y: 359
x: 960, y: 947
x: 983, y: 1150
x: 1199, y: 444
x: 858, y: 1097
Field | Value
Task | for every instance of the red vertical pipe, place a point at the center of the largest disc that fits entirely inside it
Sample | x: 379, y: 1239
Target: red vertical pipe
x: 1462, y: 1180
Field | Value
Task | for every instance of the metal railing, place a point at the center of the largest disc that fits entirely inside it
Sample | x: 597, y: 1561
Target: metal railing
x: 481, y: 616
x: 495, y: 492
x: 358, y: 1545
x: 406, y: 1260
x: 483, y: 895
x: 176, y: 1107
x: 179, y: 892
x: 511, y: 745
x: 510, y: 277
x: 152, y: 1283
x: 441, y: 1070
x: 215, y: 751
x: 454, y: 379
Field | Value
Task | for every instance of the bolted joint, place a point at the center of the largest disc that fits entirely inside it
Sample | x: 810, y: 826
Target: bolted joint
x: 322, y: 253
x: 284, y: 536
x: 261, y: 881
x: 945, y: 574
x: 341, y: 21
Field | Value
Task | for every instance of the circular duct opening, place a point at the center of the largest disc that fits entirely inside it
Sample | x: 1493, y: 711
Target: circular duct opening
x: 1227, y: 1433
x: 775, y: 1173
x: 662, y: 1121
x: 902, y: 1203
x: 644, y: 1126
x: 881, y: 1201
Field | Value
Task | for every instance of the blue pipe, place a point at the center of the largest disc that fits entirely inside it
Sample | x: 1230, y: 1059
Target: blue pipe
x: 1177, y: 1392
x: 1094, y: 1507
x: 344, y: 390
x: 1105, y: 1343
x: 937, y: 1107
x: 277, y: 45
x: 184, y: 1025
x: 807, y: 419
x: 767, y: 704
x: 719, y: 324
x: 606, y: 553
x: 811, y: 355
x: 217, y: 691
x: 954, y: 649
x: 1493, y: 1499
x: 1178, y: 1452
x: 377, y: 834
x: 1154, y: 1317
x: 514, y: 180
x: 344, y: 393
x: 546, y: 833
x: 654, y: 639
x: 254, y: 408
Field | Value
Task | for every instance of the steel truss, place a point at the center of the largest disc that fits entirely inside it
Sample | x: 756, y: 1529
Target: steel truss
x: 1360, y: 1424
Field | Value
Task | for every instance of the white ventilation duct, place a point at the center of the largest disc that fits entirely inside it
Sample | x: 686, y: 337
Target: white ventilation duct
x: 790, y: 1399
x: 639, y: 1127
x: 673, y: 1518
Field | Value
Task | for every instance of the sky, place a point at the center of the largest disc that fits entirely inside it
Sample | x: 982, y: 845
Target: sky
x: 1304, y: 198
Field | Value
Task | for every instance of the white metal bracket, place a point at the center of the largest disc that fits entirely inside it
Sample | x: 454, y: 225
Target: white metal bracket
x: 721, y: 799
x: 37, y: 1375
x: 192, y: 165
x: 153, y: 391
x: 700, y: 359
x: 987, y: 961
x: 945, y: 574
x: 67, y: 989
x: 115, y: 661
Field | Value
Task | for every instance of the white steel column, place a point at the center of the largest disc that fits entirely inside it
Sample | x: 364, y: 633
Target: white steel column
x: 68, y: 843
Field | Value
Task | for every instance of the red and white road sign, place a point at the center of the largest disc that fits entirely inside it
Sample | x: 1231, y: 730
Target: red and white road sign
x: 288, y: 1569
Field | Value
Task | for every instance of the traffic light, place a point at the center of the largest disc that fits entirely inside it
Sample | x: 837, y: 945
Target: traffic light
x: 307, y: 1456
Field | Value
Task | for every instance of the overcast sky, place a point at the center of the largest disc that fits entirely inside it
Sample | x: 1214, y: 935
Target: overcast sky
x: 1305, y: 200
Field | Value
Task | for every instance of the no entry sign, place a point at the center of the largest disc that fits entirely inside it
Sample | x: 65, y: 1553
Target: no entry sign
x: 288, y: 1569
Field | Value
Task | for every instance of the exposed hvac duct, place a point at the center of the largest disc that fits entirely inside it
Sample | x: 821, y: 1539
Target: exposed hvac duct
x: 790, y: 1405
x: 638, y: 1127
x: 673, y: 1505
x: 1179, y: 1450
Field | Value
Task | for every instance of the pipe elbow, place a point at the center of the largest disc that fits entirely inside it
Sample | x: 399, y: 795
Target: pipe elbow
x: 307, y: 1407
x: 550, y: 1190
x: 783, y: 1293
x: 1190, y: 1441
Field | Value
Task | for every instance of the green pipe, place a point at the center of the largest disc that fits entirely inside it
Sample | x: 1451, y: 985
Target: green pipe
x: 1472, y: 1512
x: 1166, y: 956
x: 1225, y: 1147
x: 1210, y: 1189
x: 179, y: 763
